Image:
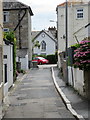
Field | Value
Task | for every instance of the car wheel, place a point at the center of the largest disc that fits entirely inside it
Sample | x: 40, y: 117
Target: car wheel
x: 40, y: 63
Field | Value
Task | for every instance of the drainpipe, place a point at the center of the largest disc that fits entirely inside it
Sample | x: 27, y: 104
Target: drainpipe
x: 18, y: 25
x: 19, y: 29
x: 66, y: 42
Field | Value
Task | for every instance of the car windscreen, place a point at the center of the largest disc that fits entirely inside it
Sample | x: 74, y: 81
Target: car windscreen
x: 41, y: 58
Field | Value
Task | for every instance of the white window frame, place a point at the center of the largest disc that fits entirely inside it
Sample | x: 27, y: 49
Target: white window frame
x: 5, y: 16
x: 79, y: 14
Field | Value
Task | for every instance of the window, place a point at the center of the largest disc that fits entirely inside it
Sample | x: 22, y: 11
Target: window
x: 6, y: 29
x: 5, y: 56
x: 80, y: 13
x: 6, y: 16
x: 43, y: 45
x: 5, y: 72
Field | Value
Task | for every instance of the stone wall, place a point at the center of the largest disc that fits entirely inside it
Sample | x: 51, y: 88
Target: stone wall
x: 13, y: 21
x: 1, y: 59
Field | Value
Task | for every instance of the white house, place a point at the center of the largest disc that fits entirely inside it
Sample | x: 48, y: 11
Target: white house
x: 78, y: 29
x: 7, y: 65
x: 46, y: 41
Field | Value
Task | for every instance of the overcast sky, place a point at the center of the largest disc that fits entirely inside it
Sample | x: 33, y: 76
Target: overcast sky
x: 44, y: 11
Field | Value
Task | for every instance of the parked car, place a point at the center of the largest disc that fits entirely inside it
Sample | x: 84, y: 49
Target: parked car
x: 40, y: 60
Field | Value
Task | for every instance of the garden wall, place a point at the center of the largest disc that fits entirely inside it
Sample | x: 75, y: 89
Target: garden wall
x: 76, y: 79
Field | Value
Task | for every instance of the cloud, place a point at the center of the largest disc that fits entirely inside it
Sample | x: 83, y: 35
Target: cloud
x: 42, y: 5
x: 44, y: 11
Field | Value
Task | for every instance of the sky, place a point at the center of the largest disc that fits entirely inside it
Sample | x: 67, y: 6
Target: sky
x: 44, y: 11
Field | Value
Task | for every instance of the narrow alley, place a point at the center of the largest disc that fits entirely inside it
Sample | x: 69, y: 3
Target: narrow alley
x: 36, y: 97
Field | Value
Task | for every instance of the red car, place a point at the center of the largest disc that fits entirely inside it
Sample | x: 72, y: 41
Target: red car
x: 40, y: 60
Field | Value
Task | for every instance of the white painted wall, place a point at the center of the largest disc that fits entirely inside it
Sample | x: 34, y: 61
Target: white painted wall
x: 61, y: 28
x: 50, y: 45
x: 78, y: 78
x: 24, y: 63
x: 75, y: 27
x: 7, y: 50
x: 29, y: 38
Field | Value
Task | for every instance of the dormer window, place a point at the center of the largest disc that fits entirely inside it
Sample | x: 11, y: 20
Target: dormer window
x: 80, y: 13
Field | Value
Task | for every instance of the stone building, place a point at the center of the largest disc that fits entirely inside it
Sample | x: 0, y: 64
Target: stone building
x: 78, y: 28
x: 17, y: 17
x: 1, y: 59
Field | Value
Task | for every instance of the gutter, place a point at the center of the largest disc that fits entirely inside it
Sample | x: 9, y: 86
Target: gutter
x: 7, y: 42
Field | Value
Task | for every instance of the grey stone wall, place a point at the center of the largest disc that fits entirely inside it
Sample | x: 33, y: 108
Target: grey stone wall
x: 13, y: 21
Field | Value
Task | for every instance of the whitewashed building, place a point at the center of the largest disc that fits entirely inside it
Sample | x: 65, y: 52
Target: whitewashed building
x: 7, y: 65
x: 78, y: 28
x: 46, y: 41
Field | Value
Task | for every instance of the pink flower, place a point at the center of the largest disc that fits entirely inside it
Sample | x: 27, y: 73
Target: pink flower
x: 85, y: 41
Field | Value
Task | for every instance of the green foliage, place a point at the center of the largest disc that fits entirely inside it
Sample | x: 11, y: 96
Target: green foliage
x: 35, y: 43
x: 14, y: 59
x: 76, y: 45
x: 9, y: 36
x: 82, y: 55
x: 52, y: 59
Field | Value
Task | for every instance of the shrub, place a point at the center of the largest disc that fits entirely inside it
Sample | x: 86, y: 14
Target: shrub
x: 52, y: 59
x: 82, y: 55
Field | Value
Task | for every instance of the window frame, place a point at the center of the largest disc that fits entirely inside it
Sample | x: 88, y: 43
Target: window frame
x: 43, y: 45
x: 6, y: 16
x: 79, y: 13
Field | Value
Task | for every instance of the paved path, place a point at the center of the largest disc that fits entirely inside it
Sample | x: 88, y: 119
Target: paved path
x: 35, y: 97
x: 77, y: 104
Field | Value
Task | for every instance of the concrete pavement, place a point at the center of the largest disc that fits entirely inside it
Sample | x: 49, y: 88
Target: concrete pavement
x: 36, y: 97
x: 77, y: 105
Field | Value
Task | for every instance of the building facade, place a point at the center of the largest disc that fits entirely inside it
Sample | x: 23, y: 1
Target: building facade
x: 1, y: 58
x: 17, y: 17
x: 78, y: 21
x: 46, y: 41
x: 7, y: 66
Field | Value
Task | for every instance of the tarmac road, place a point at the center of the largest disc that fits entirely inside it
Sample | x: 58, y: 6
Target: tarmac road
x: 36, y: 97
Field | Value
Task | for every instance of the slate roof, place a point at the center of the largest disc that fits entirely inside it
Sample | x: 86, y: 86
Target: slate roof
x: 15, y: 5
x: 34, y: 33
x: 69, y: 3
x: 22, y: 53
x: 48, y: 33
